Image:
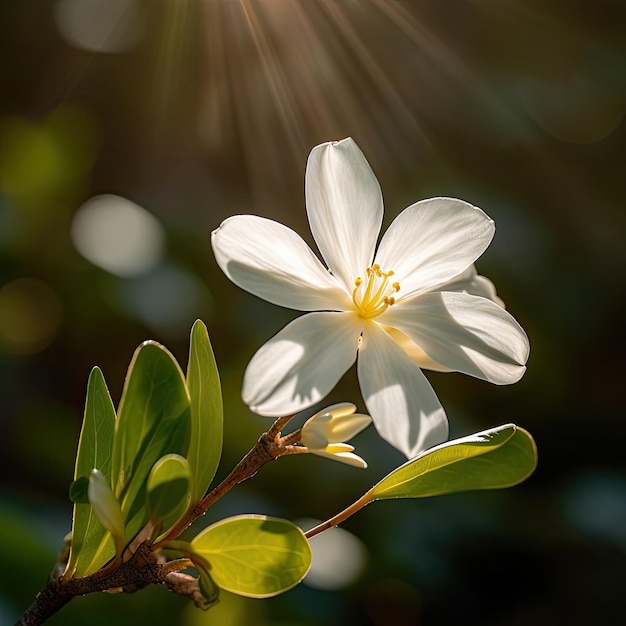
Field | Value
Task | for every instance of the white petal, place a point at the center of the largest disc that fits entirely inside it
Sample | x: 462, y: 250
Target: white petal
x: 327, y: 414
x: 337, y: 410
x: 275, y: 263
x: 466, y: 333
x: 433, y: 241
x: 470, y: 281
x: 418, y: 356
x: 345, y: 208
x: 344, y: 457
x: 403, y: 405
x: 337, y: 448
x: 336, y: 423
x: 302, y: 363
x: 313, y: 439
x: 344, y: 428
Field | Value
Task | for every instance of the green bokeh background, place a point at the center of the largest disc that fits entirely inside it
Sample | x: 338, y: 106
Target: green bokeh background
x: 211, y: 109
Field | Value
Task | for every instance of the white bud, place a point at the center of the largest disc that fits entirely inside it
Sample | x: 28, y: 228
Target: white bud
x: 106, y: 507
x: 324, y: 434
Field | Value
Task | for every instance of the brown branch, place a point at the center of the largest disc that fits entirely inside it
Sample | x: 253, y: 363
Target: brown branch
x: 268, y: 447
x: 142, y: 569
x: 47, y: 602
x: 186, y: 585
x: 143, y: 566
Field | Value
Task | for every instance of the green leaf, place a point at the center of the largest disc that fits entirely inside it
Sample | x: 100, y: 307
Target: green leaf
x: 78, y: 490
x: 168, y: 490
x: 92, y: 545
x: 153, y: 420
x: 254, y: 555
x: 209, y: 590
x: 203, y: 383
x: 492, y: 459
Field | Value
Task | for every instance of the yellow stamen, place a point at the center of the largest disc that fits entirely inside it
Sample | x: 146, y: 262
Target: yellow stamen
x: 373, y: 297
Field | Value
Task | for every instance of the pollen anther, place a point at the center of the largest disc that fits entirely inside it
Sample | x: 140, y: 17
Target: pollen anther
x: 373, y: 296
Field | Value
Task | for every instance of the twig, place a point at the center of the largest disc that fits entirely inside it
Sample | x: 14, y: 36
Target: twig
x: 140, y: 565
x: 340, y: 517
x: 141, y: 569
x: 268, y: 447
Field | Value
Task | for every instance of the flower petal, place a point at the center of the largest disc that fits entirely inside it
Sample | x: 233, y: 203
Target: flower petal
x: 337, y: 448
x: 418, y: 356
x: 345, y: 208
x: 313, y: 439
x: 403, y: 405
x: 344, y: 428
x: 467, y: 282
x: 466, y: 333
x: 302, y: 363
x: 275, y: 263
x: 432, y: 242
x: 470, y: 281
x: 336, y: 423
x: 344, y: 457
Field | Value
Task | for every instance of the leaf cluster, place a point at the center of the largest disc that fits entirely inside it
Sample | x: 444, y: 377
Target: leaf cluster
x: 158, y: 454
x: 142, y: 472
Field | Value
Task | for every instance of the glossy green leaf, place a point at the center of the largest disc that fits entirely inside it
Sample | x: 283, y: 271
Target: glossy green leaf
x: 92, y: 545
x: 203, y: 383
x: 210, y: 591
x: 153, y: 420
x: 254, y: 555
x: 492, y: 459
x: 78, y: 490
x: 168, y: 490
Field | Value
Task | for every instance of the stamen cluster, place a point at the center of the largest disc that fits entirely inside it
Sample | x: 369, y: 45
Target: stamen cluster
x: 371, y: 297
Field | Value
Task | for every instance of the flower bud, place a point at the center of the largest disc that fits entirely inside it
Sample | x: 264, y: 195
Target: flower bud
x: 324, y: 433
x: 107, y: 508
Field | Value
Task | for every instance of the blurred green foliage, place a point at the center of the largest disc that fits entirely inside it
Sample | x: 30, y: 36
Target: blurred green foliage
x: 514, y: 106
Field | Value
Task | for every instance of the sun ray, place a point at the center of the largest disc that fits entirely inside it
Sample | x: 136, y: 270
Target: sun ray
x: 277, y: 76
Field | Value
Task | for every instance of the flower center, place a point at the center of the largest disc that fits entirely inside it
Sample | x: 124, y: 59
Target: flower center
x: 373, y: 295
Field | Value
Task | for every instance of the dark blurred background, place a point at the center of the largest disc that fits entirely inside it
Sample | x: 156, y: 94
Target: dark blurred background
x: 130, y: 129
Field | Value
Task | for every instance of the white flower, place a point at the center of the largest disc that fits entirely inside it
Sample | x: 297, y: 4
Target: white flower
x: 326, y: 432
x: 391, y: 306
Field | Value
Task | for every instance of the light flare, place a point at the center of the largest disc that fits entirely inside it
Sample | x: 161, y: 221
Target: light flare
x: 291, y: 73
